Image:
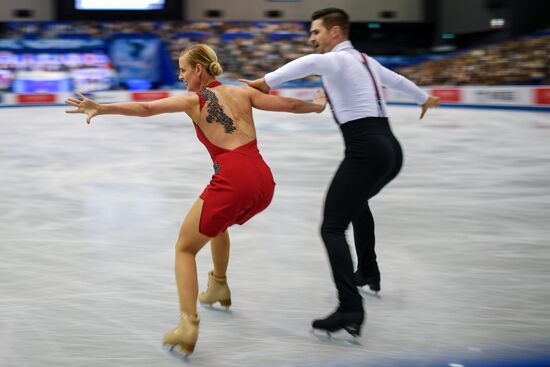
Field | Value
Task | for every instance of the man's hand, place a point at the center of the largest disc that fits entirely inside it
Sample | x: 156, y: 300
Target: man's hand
x: 84, y: 105
x: 258, y: 84
x: 430, y: 103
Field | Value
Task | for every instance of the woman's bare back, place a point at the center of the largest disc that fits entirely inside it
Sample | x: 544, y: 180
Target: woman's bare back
x: 226, y: 116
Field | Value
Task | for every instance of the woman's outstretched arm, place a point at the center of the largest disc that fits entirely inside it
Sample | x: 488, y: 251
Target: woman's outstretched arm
x: 89, y: 107
x: 270, y: 102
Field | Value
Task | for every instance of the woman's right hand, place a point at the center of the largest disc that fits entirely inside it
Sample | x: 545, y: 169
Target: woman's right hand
x: 84, y: 105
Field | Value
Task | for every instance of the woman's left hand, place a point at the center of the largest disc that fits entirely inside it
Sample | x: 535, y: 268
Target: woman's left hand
x: 320, y: 99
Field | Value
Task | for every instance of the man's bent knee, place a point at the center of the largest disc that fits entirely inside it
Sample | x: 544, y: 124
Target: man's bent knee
x: 328, y: 228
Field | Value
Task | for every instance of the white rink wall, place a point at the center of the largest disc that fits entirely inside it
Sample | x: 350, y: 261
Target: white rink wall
x: 510, y: 97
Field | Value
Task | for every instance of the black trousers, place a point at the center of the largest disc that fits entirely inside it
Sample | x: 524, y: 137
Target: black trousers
x: 373, y: 157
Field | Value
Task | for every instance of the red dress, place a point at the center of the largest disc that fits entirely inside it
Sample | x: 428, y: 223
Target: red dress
x: 241, y: 187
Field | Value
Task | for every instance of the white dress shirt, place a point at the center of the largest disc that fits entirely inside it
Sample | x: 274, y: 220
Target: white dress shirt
x: 347, y: 81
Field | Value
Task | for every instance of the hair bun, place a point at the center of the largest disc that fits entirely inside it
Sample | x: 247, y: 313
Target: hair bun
x: 215, y: 68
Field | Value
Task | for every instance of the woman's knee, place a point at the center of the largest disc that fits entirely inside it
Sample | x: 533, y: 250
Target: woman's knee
x: 183, y: 246
x: 190, y: 242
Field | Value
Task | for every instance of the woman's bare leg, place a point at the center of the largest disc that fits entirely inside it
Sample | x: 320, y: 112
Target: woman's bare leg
x: 219, y: 247
x: 190, y: 241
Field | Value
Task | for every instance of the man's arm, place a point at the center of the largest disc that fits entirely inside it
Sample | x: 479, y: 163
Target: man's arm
x: 306, y: 65
x: 396, y: 81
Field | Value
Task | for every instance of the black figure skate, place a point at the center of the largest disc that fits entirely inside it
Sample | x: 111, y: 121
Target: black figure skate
x: 373, y: 281
x: 339, y: 320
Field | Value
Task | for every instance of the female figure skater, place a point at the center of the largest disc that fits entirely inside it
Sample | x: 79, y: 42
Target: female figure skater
x: 241, y: 187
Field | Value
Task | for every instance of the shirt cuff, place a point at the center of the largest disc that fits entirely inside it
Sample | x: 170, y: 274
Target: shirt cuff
x: 268, y: 78
x: 423, y: 98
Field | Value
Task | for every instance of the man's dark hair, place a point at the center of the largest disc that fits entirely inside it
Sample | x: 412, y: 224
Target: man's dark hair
x: 333, y: 17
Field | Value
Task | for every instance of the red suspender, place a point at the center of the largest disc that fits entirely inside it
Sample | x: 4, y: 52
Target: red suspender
x: 378, y: 98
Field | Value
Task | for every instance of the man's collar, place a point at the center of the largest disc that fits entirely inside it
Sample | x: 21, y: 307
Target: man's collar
x: 342, y: 46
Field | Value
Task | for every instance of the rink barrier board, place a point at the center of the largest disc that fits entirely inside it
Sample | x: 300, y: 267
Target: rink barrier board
x: 500, y: 97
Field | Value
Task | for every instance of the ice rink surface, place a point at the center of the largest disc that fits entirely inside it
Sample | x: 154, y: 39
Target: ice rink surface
x: 89, y: 217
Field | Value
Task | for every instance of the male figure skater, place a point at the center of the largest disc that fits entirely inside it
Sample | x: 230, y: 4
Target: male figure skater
x: 373, y: 156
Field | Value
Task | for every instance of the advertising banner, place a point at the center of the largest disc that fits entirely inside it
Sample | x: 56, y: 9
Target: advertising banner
x: 136, y: 59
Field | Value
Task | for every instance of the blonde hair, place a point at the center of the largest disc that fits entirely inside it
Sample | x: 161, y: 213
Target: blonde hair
x: 205, y: 56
